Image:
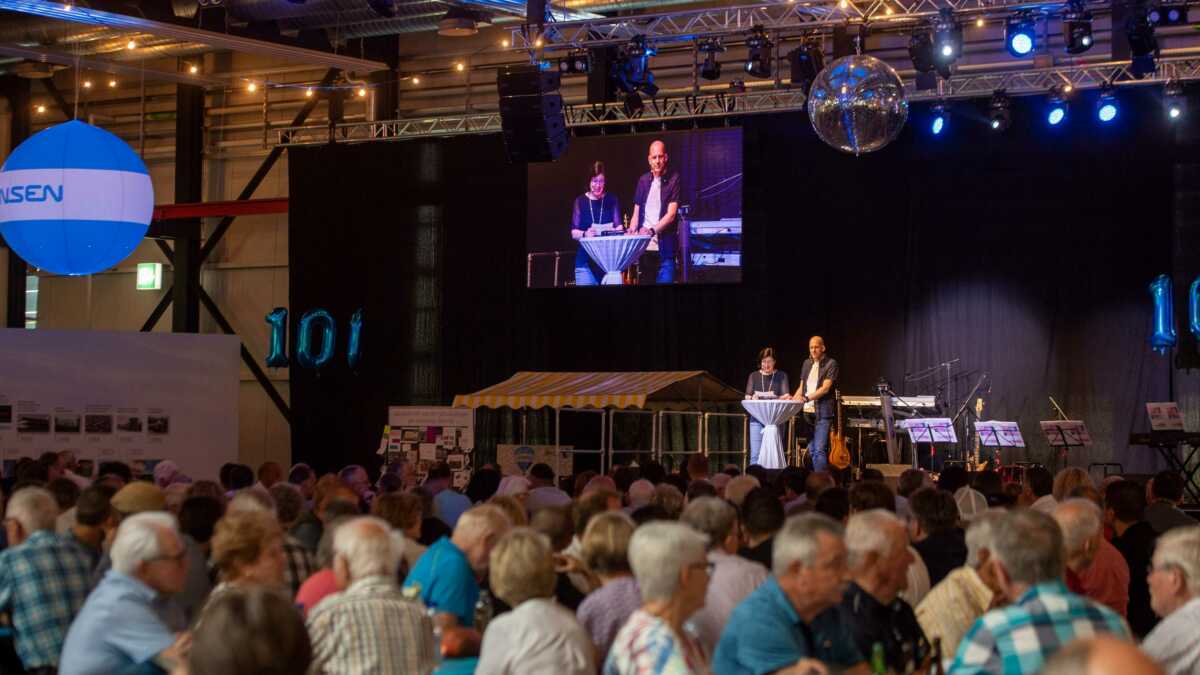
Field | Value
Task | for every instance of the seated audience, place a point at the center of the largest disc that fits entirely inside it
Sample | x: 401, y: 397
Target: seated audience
x: 538, y: 635
x: 446, y: 578
x: 289, y: 504
x: 877, y: 495
x: 606, y: 554
x: 1100, y: 655
x: 670, y: 563
x: 1107, y: 579
x: 322, y: 583
x: 512, y: 508
x: 1134, y: 538
x: 877, y: 559
x: 205, y: 488
x: 543, y: 491
x: 1067, y: 480
x: 697, y: 467
x: 448, y: 504
x: 640, y: 492
x: 370, y: 626
x: 66, y: 494
x: 739, y: 487
x: 555, y: 523
x: 1027, y: 557
x: 482, y: 486
x: 953, y: 478
x: 43, y: 578
x: 1164, y: 495
x: 835, y: 503
x: 355, y: 477
x: 198, y: 518
x: 1083, y: 539
x: 402, y: 510
x: 1038, y: 490
x: 935, y: 532
x: 910, y: 481
x: 305, y: 479
x: 670, y: 499
x: 785, y: 625
x: 516, y: 487
x: 331, y: 499
x: 792, y: 480
x: 1174, y: 580
x: 126, y: 621
x: 762, y: 516
x: 94, y: 522
x: 697, y: 489
x: 249, y: 631
x: 586, y: 508
x: 967, y: 593
x: 269, y: 473
x: 247, y: 550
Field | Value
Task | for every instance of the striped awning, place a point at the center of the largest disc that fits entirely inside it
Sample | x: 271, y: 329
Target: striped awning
x: 599, y: 390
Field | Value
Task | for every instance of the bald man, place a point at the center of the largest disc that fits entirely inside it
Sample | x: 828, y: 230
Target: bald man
x: 817, y: 377
x: 655, y: 209
x: 1101, y: 655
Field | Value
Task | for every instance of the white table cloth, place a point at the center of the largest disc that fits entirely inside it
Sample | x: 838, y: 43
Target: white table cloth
x: 615, y: 254
x: 771, y: 413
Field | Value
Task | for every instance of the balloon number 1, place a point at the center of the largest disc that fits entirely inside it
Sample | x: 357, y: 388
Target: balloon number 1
x: 316, y: 339
x: 1163, y: 336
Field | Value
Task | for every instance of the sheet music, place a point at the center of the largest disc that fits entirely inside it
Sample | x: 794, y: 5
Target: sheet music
x: 765, y: 395
x: 929, y: 430
x: 1165, y: 416
x: 1076, y: 433
x: 1000, y: 434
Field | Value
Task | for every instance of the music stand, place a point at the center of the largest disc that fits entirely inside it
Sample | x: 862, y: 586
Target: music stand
x: 929, y: 430
x: 999, y: 435
x: 1066, y: 434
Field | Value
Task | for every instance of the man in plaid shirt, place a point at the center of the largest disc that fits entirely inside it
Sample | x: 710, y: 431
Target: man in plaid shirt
x: 43, y: 579
x: 1044, y: 615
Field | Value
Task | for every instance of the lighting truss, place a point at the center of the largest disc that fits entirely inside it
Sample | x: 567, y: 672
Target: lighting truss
x: 759, y: 100
x: 806, y: 16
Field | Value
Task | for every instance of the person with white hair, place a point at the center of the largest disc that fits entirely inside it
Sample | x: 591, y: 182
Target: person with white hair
x: 446, y: 576
x: 370, y: 626
x: 784, y: 625
x: 1174, y: 581
x: 968, y: 592
x: 1101, y: 655
x: 1027, y: 558
x: 877, y: 560
x: 668, y: 560
x: 733, y: 577
x: 1089, y: 558
x: 43, y: 578
x: 126, y: 620
x: 538, y: 635
x: 640, y: 492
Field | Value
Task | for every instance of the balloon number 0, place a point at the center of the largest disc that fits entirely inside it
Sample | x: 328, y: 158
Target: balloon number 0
x: 316, y: 339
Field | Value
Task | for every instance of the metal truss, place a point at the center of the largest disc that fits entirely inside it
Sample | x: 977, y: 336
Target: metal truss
x: 781, y: 17
x: 732, y: 104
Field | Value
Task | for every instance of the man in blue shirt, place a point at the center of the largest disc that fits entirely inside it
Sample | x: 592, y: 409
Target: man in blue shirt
x: 784, y: 623
x: 446, y: 577
x: 448, y: 504
x: 129, y: 619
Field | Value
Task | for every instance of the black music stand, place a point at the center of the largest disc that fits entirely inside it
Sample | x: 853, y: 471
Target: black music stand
x: 1066, y: 434
x: 999, y: 435
x: 931, y: 430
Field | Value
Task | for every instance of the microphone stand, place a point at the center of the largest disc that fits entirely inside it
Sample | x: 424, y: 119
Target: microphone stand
x: 963, y: 408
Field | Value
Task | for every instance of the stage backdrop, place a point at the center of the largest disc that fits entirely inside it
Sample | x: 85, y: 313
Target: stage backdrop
x: 1024, y: 255
x: 134, y: 397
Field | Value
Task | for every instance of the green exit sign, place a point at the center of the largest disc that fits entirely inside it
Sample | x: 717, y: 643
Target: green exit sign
x: 149, y: 276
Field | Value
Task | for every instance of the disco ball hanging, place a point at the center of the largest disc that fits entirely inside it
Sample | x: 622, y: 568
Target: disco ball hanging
x: 857, y: 104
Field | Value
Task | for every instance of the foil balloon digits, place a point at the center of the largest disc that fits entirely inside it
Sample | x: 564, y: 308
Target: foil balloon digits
x: 1163, y: 336
x: 1194, y: 308
x: 315, y: 320
x: 277, y: 348
x: 354, y: 343
x: 857, y: 104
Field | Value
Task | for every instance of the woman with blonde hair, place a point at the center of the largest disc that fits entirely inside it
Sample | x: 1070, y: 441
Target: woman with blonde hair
x: 1067, y: 480
x: 247, y: 551
x: 606, y: 554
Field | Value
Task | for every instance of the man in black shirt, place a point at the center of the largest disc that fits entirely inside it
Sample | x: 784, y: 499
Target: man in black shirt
x: 1124, y: 512
x: 871, y: 609
x: 935, y: 532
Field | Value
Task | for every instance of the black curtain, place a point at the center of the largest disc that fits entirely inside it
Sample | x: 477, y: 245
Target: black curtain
x: 1024, y: 255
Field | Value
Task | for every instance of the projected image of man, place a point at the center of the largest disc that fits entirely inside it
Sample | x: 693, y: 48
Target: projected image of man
x: 655, y: 212
x: 594, y: 214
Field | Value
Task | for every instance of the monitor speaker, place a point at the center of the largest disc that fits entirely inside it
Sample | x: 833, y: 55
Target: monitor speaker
x: 531, y: 114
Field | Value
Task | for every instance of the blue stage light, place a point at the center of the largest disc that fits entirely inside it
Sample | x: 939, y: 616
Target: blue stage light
x: 939, y: 123
x: 1056, y: 108
x: 1107, y: 107
x: 1020, y: 35
x: 1057, y: 114
x: 1174, y: 101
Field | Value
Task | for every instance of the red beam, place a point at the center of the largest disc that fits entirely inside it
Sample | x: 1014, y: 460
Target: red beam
x: 240, y: 207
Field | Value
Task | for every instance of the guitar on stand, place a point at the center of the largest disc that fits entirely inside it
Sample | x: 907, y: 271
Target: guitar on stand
x: 839, y: 454
x: 976, y: 464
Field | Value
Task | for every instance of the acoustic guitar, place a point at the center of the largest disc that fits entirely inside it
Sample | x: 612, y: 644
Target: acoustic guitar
x: 839, y: 454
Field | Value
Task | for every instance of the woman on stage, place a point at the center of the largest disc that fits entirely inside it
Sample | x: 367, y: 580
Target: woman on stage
x: 766, y: 382
x: 595, y: 211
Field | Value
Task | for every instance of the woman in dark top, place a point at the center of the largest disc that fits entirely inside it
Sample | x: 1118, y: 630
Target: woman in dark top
x: 595, y: 211
x: 766, y: 382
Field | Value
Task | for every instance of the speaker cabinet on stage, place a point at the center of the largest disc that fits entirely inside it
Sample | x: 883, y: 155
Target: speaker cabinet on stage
x: 601, y: 85
x: 531, y: 114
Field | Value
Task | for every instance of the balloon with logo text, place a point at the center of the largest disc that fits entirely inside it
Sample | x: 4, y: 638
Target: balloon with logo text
x: 1162, y: 336
x: 316, y: 337
x: 1194, y: 308
x: 277, y: 346
x: 354, y: 343
x: 74, y: 199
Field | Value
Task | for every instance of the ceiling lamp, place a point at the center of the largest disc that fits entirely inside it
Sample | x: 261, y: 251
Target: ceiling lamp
x: 458, y: 22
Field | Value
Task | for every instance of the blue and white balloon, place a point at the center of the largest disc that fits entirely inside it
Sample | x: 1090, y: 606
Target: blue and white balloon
x: 74, y: 199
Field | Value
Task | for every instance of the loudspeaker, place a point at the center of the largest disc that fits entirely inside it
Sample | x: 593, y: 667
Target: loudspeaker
x: 601, y: 85
x: 531, y: 114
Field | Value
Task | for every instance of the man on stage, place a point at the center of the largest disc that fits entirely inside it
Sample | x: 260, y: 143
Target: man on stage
x: 817, y: 375
x: 655, y: 205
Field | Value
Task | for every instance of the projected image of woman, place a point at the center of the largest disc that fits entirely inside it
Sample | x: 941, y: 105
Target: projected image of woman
x: 766, y: 382
x: 595, y: 212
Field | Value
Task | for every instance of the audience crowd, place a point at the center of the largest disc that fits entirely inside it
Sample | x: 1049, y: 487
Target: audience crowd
x: 638, y: 572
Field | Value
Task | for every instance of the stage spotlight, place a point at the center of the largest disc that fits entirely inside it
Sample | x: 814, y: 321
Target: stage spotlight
x: 1107, y: 106
x: 1173, y: 14
x: 87, y: 84
x: 920, y: 50
x: 758, y: 57
x: 999, y: 114
x: 573, y: 64
x: 112, y: 84
x: 1174, y: 101
x: 252, y: 87
x: 193, y: 69
x: 806, y: 62
x: 1056, y: 109
x: 939, y: 118
x: 1143, y: 45
x: 308, y: 92
x: 711, y: 68
x: 633, y: 69
x: 1020, y: 35
x: 41, y: 109
x: 1077, y: 29
x: 947, y: 37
